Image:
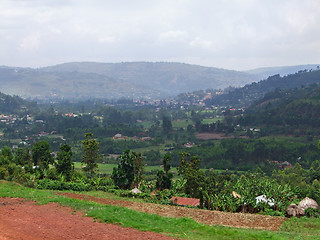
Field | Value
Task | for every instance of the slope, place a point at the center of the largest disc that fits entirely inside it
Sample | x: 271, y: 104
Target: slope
x: 252, y: 92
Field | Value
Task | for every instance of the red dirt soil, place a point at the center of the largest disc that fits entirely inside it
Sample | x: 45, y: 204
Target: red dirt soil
x: 240, y: 220
x: 21, y: 219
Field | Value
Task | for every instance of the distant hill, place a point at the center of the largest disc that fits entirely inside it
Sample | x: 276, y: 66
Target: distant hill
x: 294, y: 111
x: 263, y: 73
x: 14, y: 104
x: 252, y: 92
x: 116, y: 80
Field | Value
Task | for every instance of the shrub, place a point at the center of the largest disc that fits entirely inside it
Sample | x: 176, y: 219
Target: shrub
x: 312, y: 212
x: 58, y: 185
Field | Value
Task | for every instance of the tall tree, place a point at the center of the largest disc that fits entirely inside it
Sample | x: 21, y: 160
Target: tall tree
x: 137, y: 168
x: 164, y: 178
x: 166, y: 124
x: 22, y: 156
x: 41, y: 155
x: 64, y: 163
x: 6, y: 153
x: 190, y: 170
x: 129, y: 170
x: 90, y: 155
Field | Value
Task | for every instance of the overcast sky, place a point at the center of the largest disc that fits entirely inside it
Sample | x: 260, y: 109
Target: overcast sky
x: 231, y: 34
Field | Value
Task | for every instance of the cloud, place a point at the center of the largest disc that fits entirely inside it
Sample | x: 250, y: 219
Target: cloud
x: 172, y: 35
x: 236, y: 34
x: 31, y: 42
x: 200, y: 42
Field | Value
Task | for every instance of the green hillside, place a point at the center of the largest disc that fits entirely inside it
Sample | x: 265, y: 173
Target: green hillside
x: 293, y: 111
x: 252, y: 92
x: 14, y: 104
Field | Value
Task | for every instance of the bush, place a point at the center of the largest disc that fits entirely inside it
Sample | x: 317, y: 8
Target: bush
x: 58, y: 185
x: 312, y: 212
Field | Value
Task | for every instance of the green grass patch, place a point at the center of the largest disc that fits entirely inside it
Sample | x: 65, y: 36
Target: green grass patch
x: 102, y: 168
x: 180, y: 228
x: 211, y: 120
x: 308, y: 227
x: 107, y: 168
x: 183, y: 123
x: 146, y: 124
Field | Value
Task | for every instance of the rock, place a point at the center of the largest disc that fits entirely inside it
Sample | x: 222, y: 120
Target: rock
x: 297, y: 211
x: 135, y: 190
x: 308, y: 203
x: 294, y: 211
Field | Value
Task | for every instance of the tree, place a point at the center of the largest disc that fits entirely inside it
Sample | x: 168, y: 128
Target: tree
x: 6, y: 155
x: 64, y: 163
x: 22, y: 156
x: 129, y: 170
x: 190, y: 171
x: 90, y: 155
x: 164, y: 178
x: 137, y: 168
x: 166, y: 124
x: 41, y: 155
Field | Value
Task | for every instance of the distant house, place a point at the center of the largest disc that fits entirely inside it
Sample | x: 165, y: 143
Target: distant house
x: 188, y: 145
x: 146, y: 138
x: 182, y: 201
x: 286, y: 164
x: 42, y: 134
x: 119, y: 136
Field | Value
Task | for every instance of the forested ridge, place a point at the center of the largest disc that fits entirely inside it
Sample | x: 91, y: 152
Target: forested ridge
x: 246, y: 95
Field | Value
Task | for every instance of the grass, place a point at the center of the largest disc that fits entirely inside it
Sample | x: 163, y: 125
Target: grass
x: 178, y: 228
x: 211, y: 120
x: 183, y: 123
x: 108, y: 168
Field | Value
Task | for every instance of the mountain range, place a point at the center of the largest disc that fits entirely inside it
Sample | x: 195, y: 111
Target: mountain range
x: 84, y: 80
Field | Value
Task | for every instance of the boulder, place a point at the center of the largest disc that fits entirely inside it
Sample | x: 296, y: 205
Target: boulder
x: 297, y: 211
x: 308, y: 203
x: 294, y: 211
x: 136, y: 191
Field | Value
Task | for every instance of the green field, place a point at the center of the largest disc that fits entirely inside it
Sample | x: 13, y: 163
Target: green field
x: 295, y: 228
x: 108, y: 168
x: 211, y: 120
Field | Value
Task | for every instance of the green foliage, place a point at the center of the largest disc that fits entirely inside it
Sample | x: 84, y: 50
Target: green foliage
x: 41, y: 155
x: 128, y: 171
x: 22, y: 156
x: 14, y: 104
x: 312, y: 212
x: 59, y: 185
x: 164, y: 178
x: 248, y: 154
x: 166, y: 124
x: 256, y: 91
x: 190, y: 171
x: 90, y: 155
x: 294, y: 111
x: 64, y: 163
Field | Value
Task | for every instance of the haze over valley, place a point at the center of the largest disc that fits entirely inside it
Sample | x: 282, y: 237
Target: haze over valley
x: 133, y: 80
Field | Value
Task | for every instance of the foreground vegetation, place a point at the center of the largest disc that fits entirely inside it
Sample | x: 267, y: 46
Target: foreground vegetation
x: 180, y: 228
x: 225, y: 191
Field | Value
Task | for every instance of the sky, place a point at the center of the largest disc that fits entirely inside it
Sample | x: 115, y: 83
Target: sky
x: 230, y: 34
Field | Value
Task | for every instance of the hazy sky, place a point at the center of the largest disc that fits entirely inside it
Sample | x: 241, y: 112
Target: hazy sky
x: 231, y: 34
